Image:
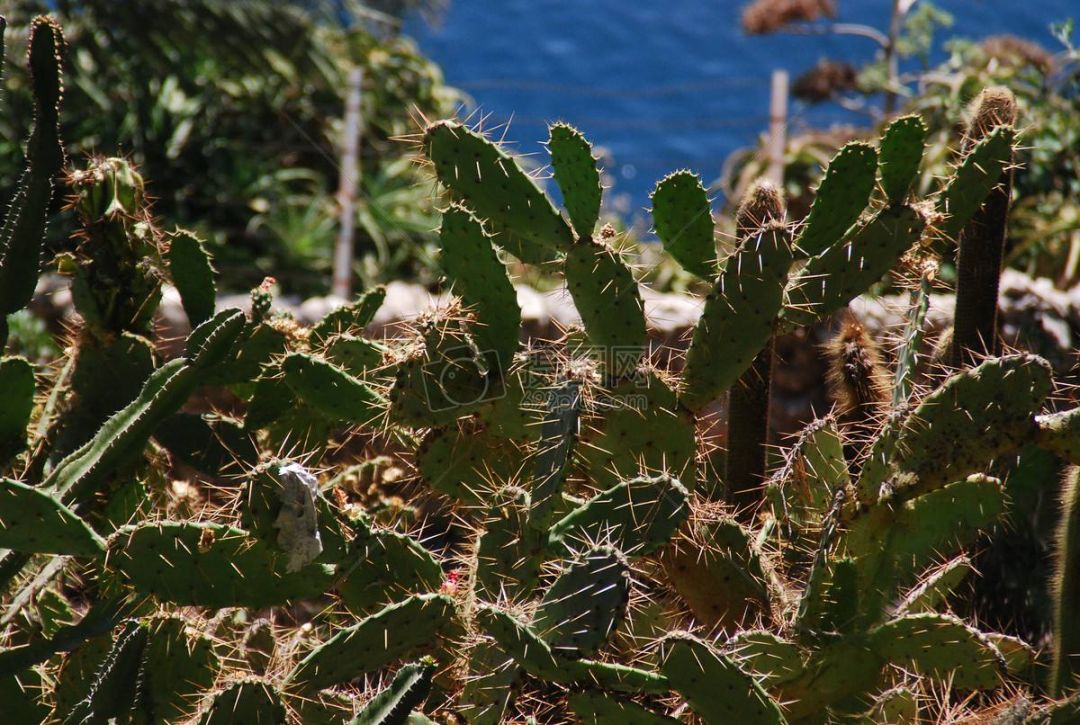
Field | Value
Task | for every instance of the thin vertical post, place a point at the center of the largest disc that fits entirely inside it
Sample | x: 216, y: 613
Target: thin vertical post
x: 777, y: 127
x: 348, y: 184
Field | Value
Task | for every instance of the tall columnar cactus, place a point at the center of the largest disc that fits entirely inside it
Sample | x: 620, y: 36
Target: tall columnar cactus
x: 1065, y: 588
x: 982, y: 240
x: 24, y: 224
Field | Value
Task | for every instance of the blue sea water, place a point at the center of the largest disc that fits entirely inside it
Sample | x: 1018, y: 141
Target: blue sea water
x: 662, y: 85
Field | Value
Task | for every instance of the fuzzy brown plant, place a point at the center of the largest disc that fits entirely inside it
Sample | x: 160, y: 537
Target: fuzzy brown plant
x: 768, y: 16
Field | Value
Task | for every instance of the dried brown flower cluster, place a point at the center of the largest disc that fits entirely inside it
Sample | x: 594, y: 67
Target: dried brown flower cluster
x: 825, y: 80
x: 768, y: 16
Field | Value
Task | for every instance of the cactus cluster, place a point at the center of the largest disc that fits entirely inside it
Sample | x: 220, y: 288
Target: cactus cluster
x: 569, y: 551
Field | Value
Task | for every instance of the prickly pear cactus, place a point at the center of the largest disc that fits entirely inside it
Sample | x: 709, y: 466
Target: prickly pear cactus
x: 452, y: 523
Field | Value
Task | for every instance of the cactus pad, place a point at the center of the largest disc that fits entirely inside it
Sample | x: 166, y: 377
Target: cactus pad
x: 940, y: 645
x: 845, y: 270
x: 683, y: 221
x: 410, y: 688
x: 978, y: 174
x: 607, y: 298
x: 584, y: 606
x: 331, y: 390
x: 33, y: 522
x: 899, y: 156
x: 480, y: 280
x: 577, y: 175
x: 248, y: 701
x: 637, y: 516
x: 975, y: 416
x: 738, y: 316
x: 375, y: 642
x: 716, y: 688
x: 485, y: 178
x: 189, y: 267
x: 17, y: 384
x: 209, y: 565
x: 840, y: 199
x: 467, y: 462
x: 638, y: 428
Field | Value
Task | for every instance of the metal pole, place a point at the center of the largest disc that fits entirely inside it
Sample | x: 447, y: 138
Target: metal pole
x: 348, y: 185
x: 777, y: 127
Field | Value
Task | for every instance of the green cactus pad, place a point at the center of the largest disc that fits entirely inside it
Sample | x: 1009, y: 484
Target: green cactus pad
x: 123, y: 436
x: 33, y: 522
x: 683, y: 220
x: 392, y: 706
x: 941, y: 646
x: 191, y: 272
x: 899, y: 706
x: 893, y: 544
x: 108, y: 375
x: 535, y: 657
x: 374, y: 642
x: 814, y: 470
x: 22, y: 694
x: 509, y: 550
x: 209, y: 565
x: 331, y: 390
x: 899, y: 156
x: 113, y: 689
x: 845, y: 270
x: 716, y: 688
x: 23, y: 228
x: 249, y: 701
x: 354, y: 354
x: 577, y: 175
x: 638, y: 428
x: 441, y: 383
x: 212, y: 342
x: 719, y: 574
x: 525, y: 646
x: 177, y: 667
x: 253, y: 352
x: 770, y: 658
x: 975, y: 178
x: 383, y: 566
x: 17, y: 384
x: 833, y: 674
x: 558, y: 437
x: 840, y: 199
x: 492, y: 685
x: 480, y: 279
x: 1019, y: 655
x: 351, y: 318
x: 490, y: 182
x: 466, y: 462
x: 585, y: 605
x: 738, y: 316
x: 637, y: 516
x: 973, y: 417
x: 1059, y: 433
x: 607, y: 298
x: 907, y: 355
x: 596, y: 708
x: 935, y: 587
x: 271, y: 398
